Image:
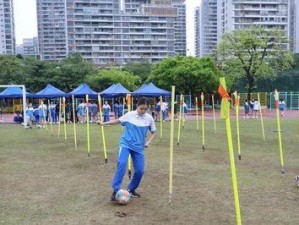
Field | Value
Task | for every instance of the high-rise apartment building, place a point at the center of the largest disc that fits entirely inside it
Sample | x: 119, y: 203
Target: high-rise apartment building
x: 107, y: 32
x: 7, y: 28
x: 29, y: 47
x: 180, y: 27
x: 296, y: 26
x: 220, y: 16
x: 196, y: 31
x: 208, y: 27
x: 271, y: 14
x: 51, y: 24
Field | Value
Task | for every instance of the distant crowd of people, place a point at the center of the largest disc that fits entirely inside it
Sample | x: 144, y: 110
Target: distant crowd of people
x: 42, y: 113
x: 253, y: 105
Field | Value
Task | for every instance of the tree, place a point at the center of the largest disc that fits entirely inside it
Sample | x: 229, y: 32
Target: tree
x: 65, y: 75
x: 106, y: 77
x: 143, y: 69
x: 255, y: 53
x: 188, y: 74
x: 11, y: 70
x: 71, y: 72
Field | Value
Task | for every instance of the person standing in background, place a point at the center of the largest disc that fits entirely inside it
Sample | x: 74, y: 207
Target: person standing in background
x: 106, y: 111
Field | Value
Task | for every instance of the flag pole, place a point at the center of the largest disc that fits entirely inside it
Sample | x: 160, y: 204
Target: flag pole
x: 87, y: 126
x: 102, y: 129
x: 180, y: 119
x: 261, y: 115
x: 161, y: 118
x: 59, y: 115
x: 171, y: 144
x: 196, y: 110
x: 214, y: 116
x: 225, y: 113
x: 237, y: 104
x: 74, y: 122
x: 183, y: 112
x: 129, y: 160
x: 64, y: 121
x: 202, y: 121
x: 276, y: 96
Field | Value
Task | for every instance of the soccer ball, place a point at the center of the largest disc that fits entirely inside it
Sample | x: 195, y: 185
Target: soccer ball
x: 122, y: 196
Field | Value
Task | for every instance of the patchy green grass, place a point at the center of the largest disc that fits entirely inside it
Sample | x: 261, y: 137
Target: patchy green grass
x: 44, y: 180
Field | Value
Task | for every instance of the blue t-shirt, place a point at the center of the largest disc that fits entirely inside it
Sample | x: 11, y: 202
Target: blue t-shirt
x: 29, y: 112
x: 136, y: 128
x: 106, y: 110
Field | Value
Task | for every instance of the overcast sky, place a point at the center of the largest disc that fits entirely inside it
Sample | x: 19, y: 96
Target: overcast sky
x: 26, y: 26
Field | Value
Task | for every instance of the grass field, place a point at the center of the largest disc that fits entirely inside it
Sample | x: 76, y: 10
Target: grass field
x: 44, y: 180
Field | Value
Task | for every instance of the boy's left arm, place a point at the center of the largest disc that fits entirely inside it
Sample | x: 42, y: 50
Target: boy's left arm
x: 150, y: 139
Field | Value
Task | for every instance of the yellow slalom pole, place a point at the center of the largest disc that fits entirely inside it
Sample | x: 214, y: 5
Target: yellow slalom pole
x: 261, y: 115
x: 183, y: 112
x: 129, y: 160
x: 237, y: 104
x: 50, y: 117
x: 225, y: 113
x: 102, y: 129
x: 161, y: 118
x: 74, y: 122
x: 196, y: 110
x: 87, y: 126
x: 202, y: 120
x: 214, y: 116
x: 233, y: 171
x: 171, y: 144
x: 180, y: 119
x: 123, y: 110
x: 59, y: 126
x: 276, y: 96
x: 64, y: 120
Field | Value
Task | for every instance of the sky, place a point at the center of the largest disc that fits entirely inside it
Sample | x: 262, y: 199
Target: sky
x: 26, y: 25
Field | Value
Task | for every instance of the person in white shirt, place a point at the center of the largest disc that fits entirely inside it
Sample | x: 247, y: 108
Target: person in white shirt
x: 255, y: 108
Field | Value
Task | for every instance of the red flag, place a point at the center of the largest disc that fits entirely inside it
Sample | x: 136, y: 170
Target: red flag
x: 223, y: 93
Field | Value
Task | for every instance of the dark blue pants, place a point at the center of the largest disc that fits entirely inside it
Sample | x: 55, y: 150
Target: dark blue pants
x: 138, y: 165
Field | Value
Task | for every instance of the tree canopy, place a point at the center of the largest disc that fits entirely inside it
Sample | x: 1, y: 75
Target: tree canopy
x: 104, y: 78
x: 254, y: 54
x: 142, y: 70
x: 189, y: 74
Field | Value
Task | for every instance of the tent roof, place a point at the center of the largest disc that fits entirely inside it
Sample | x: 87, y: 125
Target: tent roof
x: 13, y: 92
x: 115, y: 90
x: 83, y: 90
x: 150, y: 91
x: 50, y: 92
x: 142, y: 86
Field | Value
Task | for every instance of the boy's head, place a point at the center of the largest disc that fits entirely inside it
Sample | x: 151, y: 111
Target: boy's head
x: 142, y: 105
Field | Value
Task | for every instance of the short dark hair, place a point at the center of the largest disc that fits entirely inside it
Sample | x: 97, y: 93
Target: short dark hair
x: 142, y: 101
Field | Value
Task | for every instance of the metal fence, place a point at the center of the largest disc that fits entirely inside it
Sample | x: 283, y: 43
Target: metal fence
x: 267, y: 99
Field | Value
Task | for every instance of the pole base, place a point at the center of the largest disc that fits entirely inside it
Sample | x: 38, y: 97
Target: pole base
x: 282, y: 170
x: 239, y: 157
x: 203, y: 148
x: 106, y: 160
x: 178, y: 143
x: 88, y: 154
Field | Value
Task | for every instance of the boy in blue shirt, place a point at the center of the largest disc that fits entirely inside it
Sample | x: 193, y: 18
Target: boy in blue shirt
x: 137, y: 123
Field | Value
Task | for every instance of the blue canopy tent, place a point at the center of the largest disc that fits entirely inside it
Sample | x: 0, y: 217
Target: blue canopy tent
x: 150, y: 91
x: 14, y: 92
x: 115, y: 90
x: 82, y: 91
x: 142, y: 86
x: 50, y: 92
